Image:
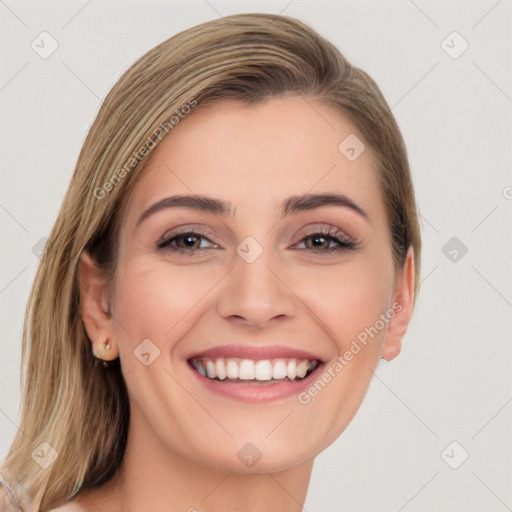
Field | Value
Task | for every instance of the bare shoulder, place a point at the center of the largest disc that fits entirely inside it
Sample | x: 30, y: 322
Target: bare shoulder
x: 92, y: 500
x: 77, y: 504
x: 104, y: 498
x: 69, y: 507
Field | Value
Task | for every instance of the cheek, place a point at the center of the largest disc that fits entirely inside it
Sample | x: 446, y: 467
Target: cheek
x: 347, y: 303
x: 156, y: 300
x: 347, y: 299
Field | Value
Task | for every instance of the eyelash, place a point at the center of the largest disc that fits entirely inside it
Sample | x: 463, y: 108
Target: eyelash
x: 330, y: 234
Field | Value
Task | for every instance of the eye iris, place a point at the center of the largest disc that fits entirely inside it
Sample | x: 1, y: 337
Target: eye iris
x: 189, y: 242
x: 318, y: 241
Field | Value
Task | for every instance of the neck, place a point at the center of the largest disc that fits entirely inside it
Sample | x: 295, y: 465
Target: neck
x: 154, y: 477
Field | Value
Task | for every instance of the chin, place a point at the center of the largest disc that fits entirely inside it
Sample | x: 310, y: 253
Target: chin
x: 262, y: 457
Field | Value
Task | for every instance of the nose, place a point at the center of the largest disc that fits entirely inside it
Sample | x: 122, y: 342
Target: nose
x: 256, y: 293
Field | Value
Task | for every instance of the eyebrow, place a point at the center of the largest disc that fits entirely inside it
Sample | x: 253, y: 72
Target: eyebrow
x: 291, y: 205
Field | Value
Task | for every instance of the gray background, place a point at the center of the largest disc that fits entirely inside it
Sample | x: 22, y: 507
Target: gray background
x: 452, y: 380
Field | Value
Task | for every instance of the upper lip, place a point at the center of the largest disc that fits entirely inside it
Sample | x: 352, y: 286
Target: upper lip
x: 256, y: 352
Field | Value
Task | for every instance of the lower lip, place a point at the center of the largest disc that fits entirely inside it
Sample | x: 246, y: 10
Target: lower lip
x: 257, y: 393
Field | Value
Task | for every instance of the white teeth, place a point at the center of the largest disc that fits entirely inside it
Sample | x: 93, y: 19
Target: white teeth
x: 302, y: 368
x: 279, y: 370
x: 291, y: 369
x: 220, y: 366
x: 263, y: 370
x: 247, y: 369
x: 232, y: 369
x: 210, y: 369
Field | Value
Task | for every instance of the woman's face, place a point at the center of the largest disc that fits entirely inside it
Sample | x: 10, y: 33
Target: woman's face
x: 269, y: 253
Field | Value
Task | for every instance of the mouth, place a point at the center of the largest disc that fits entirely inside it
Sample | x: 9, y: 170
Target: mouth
x: 249, y: 371
x: 255, y: 374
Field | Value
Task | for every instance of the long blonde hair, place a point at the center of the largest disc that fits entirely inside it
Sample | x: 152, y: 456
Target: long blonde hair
x: 69, y: 400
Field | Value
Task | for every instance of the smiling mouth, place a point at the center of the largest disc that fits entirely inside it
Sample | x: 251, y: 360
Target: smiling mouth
x: 250, y: 371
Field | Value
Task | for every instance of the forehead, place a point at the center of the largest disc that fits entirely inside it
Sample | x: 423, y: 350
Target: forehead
x: 255, y: 155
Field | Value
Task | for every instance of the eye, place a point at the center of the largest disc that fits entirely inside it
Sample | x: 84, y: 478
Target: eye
x: 186, y: 242
x: 326, y: 240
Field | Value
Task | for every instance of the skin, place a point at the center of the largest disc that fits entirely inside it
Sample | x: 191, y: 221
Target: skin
x: 183, y: 440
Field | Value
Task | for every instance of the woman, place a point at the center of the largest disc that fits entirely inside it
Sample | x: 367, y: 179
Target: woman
x: 237, y: 250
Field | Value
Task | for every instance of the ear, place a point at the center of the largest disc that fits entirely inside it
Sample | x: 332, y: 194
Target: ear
x: 94, y: 307
x: 403, y: 303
